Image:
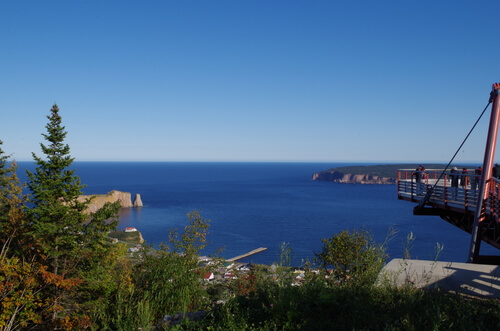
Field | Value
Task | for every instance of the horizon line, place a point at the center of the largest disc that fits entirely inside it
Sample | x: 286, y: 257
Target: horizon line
x: 267, y: 161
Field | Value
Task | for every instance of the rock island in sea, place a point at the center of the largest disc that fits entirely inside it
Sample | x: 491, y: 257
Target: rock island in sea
x: 98, y: 200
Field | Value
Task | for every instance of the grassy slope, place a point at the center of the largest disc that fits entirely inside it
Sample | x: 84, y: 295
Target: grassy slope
x: 129, y: 237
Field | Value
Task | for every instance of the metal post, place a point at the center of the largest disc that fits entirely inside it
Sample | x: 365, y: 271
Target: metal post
x: 489, y: 156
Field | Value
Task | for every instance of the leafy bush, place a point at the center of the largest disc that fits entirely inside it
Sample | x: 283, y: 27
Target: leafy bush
x: 353, y: 257
x: 160, y: 282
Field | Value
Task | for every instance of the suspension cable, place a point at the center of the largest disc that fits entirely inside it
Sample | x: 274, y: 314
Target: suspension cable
x: 429, y: 192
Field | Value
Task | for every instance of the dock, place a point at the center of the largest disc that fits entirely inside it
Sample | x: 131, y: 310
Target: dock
x: 242, y: 256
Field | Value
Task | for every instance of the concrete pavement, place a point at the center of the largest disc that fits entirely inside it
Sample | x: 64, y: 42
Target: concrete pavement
x: 468, y: 278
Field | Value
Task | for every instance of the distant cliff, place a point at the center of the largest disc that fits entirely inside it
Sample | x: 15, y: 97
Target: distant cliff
x: 99, y: 200
x: 340, y: 177
x: 372, y: 174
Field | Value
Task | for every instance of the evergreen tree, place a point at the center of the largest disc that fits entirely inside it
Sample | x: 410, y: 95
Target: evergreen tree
x: 74, y: 244
x: 57, y: 217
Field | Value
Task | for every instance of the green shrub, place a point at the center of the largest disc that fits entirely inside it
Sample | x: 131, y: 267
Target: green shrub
x: 160, y: 282
x: 351, y: 257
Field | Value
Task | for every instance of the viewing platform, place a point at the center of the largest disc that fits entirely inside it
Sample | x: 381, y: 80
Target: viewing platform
x: 466, y: 199
x: 456, y: 205
x: 462, y: 198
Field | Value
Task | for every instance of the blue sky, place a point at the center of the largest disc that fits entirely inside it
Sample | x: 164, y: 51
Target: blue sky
x: 308, y: 81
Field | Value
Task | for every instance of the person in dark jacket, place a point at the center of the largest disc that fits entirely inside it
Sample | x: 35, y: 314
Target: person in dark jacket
x: 419, y: 177
x: 454, y: 181
x: 496, y: 171
x: 474, y: 183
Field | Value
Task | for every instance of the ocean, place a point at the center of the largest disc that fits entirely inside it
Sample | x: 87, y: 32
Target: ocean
x: 253, y: 205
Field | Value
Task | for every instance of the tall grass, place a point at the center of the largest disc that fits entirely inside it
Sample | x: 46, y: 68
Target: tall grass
x: 350, y: 300
x: 317, y: 305
x: 268, y: 297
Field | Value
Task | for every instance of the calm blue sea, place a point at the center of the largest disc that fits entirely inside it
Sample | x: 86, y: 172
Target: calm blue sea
x: 253, y: 205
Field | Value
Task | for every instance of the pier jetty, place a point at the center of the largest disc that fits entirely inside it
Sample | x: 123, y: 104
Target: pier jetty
x: 242, y: 256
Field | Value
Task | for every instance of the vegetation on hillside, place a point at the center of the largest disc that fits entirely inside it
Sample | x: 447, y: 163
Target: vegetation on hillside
x: 133, y: 237
x: 59, y: 271
x: 55, y: 260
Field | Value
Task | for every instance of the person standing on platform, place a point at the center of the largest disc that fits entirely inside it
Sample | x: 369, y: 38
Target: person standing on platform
x: 454, y: 181
x: 464, y: 179
x: 419, y: 176
x: 474, y: 183
x: 496, y: 171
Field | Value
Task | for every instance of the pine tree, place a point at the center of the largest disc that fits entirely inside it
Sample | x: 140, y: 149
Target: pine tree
x: 57, y: 217
x: 72, y: 242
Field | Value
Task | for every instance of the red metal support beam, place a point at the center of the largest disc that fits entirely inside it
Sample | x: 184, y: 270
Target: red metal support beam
x: 489, y: 156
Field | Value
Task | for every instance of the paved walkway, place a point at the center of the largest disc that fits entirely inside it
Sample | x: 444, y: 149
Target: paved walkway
x: 468, y: 278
